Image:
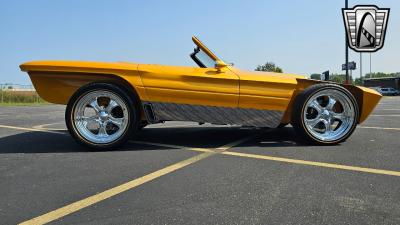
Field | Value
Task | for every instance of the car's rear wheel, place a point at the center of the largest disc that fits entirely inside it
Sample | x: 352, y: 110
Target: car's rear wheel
x: 101, y: 116
x: 325, y: 114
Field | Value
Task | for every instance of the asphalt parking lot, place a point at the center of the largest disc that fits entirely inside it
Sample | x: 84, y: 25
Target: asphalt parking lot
x: 183, y: 173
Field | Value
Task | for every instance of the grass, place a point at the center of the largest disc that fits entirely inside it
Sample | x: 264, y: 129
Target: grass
x: 23, y: 104
x: 10, y: 97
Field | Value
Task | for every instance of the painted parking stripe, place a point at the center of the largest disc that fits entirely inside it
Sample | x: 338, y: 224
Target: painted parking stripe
x: 172, y: 146
x: 383, y: 115
x: 78, y: 205
x: 380, y: 128
x: 31, y: 129
x: 64, y: 133
x: 137, y: 142
x: 45, y: 126
x: 312, y: 163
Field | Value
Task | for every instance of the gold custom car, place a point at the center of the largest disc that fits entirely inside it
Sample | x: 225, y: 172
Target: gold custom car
x: 107, y: 102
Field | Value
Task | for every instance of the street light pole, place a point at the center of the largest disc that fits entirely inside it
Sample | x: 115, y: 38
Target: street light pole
x: 370, y: 65
x: 347, y: 51
x: 361, y: 78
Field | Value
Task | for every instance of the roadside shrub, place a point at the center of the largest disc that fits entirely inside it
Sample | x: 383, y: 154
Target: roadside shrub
x: 12, y: 96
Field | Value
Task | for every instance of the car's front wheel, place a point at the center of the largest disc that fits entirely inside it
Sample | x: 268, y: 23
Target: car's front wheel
x: 101, y: 116
x: 325, y: 114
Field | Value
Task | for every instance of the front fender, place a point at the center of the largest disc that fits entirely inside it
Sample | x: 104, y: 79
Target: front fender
x: 367, y: 99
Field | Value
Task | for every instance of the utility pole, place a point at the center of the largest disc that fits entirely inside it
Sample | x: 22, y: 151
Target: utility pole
x: 347, y: 50
x: 361, y: 78
x: 370, y: 65
x: 351, y: 75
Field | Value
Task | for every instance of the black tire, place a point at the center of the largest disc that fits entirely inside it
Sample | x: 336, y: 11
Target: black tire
x: 131, y: 103
x: 297, y: 119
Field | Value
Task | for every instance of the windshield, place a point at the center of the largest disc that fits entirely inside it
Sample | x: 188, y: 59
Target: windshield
x: 202, y: 59
x: 202, y: 56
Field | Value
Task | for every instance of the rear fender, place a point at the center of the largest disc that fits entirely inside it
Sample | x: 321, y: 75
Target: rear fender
x: 58, y: 87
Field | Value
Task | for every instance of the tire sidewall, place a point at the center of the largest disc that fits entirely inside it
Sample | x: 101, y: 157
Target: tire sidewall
x: 132, y: 115
x: 305, y: 96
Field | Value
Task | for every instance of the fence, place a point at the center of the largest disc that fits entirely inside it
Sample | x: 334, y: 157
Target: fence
x: 18, y: 93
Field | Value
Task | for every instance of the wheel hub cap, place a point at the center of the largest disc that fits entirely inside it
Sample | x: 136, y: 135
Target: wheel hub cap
x: 325, y: 114
x: 103, y: 116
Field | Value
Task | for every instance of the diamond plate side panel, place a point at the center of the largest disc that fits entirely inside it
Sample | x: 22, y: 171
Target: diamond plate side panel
x: 216, y: 115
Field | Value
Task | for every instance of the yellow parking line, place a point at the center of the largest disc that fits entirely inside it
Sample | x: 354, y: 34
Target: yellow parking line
x: 217, y: 150
x: 172, y: 146
x: 44, y: 126
x: 312, y: 163
x: 381, y: 128
x: 30, y: 129
x: 385, y: 115
x: 238, y: 142
x: 76, y: 206
x: 71, y: 208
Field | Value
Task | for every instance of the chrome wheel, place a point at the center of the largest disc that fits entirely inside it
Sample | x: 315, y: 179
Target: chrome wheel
x: 101, y: 116
x: 329, y: 115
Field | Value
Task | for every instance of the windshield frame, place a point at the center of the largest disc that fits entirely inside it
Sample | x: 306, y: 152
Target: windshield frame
x: 201, y: 47
x: 195, y: 59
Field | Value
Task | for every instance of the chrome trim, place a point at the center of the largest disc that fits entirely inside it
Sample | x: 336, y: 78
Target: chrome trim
x: 98, y: 123
x: 324, y: 121
x: 217, y: 115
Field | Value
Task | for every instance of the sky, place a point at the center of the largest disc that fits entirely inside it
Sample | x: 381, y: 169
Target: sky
x: 300, y: 36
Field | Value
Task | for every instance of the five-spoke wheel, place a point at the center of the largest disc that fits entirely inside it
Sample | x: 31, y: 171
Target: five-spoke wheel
x: 325, y: 114
x: 101, y: 116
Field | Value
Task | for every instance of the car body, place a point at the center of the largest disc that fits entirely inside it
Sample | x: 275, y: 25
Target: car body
x: 214, y: 92
x: 388, y: 91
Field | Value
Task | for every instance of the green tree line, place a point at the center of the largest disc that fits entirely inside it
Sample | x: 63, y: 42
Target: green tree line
x: 269, y: 67
x: 338, y: 78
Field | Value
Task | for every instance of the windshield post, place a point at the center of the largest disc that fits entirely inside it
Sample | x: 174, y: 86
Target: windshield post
x: 203, y: 57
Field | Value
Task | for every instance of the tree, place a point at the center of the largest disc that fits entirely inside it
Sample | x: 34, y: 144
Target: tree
x: 315, y: 76
x: 380, y: 74
x: 269, y: 67
x: 339, y: 78
x: 358, y: 81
